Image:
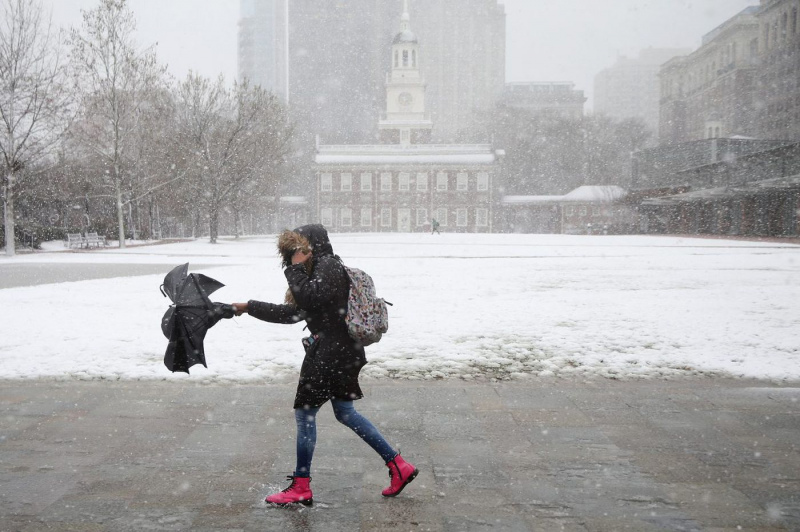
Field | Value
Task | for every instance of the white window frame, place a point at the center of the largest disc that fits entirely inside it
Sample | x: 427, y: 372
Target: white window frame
x: 570, y: 210
x: 482, y: 217
x: 462, y: 218
x: 346, y: 217
x: 366, y: 216
x: 366, y: 182
x: 441, y: 216
x: 422, y: 216
x: 347, y: 182
x: 386, y: 182
x: 422, y: 181
x: 404, y: 182
x: 462, y: 181
x: 441, y: 181
x: 584, y: 210
x: 326, y: 183
x: 386, y: 216
x: 326, y: 217
x: 483, y: 181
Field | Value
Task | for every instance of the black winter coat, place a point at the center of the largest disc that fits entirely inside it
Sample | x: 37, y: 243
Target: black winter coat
x: 332, y: 363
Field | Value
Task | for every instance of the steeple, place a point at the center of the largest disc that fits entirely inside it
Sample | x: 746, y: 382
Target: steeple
x: 405, y: 20
x: 405, y: 117
x: 405, y: 35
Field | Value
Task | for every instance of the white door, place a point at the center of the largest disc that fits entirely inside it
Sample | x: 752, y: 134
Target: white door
x: 404, y: 220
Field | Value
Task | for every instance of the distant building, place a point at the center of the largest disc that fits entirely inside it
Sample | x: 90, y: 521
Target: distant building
x: 405, y: 183
x: 557, y: 99
x: 262, y: 45
x: 711, y: 93
x: 778, y: 82
x: 593, y: 210
x: 662, y: 168
x: 335, y: 59
x: 630, y: 88
x: 757, y: 194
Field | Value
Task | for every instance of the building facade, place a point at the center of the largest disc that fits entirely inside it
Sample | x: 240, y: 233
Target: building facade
x: 557, y: 99
x: 753, y: 195
x: 631, y: 89
x: 711, y: 93
x: 663, y: 167
x: 778, y: 83
x: 262, y: 45
x: 405, y: 183
x: 586, y: 210
x: 335, y: 60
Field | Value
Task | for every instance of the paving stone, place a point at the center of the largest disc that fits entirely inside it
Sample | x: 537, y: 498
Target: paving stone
x: 695, y: 454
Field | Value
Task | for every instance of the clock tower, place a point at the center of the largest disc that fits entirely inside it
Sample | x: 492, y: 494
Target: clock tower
x: 405, y: 122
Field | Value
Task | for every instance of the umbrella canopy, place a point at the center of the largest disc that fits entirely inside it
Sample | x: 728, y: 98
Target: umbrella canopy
x: 186, y: 321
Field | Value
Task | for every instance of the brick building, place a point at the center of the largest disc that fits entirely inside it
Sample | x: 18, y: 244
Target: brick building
x: 404, y: 183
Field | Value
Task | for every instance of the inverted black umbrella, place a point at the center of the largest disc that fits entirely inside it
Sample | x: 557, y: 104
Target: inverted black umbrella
x: 190, y: 316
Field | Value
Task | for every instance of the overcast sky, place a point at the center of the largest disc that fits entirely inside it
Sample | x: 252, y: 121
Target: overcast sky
x: 548, y: 40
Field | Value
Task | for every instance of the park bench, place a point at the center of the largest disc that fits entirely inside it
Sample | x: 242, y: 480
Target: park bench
x: 94, y: 240
x: 74, y: 240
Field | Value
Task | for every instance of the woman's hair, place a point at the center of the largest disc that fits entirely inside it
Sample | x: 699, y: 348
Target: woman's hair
x: 288, y: 243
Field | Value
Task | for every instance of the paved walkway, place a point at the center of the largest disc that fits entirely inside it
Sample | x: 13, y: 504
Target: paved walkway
x: 13, y: 275
x: 541, y: 456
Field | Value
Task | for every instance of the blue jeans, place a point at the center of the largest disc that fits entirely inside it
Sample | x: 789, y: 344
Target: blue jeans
x: 346, y: 414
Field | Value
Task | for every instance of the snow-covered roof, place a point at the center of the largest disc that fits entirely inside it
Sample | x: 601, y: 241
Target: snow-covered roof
x: 603, y: 194
x: 406, y: 159
x: 405, y: 36
x: 394, y: 154
x: 530, y: 200
x: 707, y: 194
x: 298, y: 200
x: 770, y: 184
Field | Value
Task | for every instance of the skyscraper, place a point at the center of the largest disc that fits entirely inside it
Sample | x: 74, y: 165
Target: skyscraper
x: 338, y: 58
x: 262, y: 44
x: 631, y: 88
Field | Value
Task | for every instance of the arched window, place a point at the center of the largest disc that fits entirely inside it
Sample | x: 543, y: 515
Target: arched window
x: 794, y: 21
x: 405, y: 58
x: 396, y: 59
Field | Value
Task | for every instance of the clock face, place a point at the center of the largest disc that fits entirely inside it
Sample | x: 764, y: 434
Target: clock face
x: 405, y: 98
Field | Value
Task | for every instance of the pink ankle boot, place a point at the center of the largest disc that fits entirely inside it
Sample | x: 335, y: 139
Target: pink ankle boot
x: 401, y: 474
x: 299, y: 491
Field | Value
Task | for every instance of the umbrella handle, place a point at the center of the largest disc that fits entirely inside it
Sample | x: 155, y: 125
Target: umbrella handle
x: 162, y: 290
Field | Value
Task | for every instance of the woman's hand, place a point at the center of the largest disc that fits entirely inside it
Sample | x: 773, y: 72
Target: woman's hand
x: 239, y: 308
x: 299, y: 257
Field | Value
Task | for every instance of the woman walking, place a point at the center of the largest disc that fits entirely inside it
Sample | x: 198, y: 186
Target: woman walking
x: 317, y: 294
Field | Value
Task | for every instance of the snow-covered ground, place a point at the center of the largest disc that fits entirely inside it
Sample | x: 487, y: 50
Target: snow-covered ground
x: 465, y: 306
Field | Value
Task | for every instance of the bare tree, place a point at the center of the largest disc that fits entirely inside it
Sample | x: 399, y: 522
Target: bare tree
x: 231, y: 137
x: 115, y: 78
x: 33, y: 104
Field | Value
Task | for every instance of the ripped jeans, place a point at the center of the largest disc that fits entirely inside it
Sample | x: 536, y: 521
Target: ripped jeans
x: 347, y: 415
